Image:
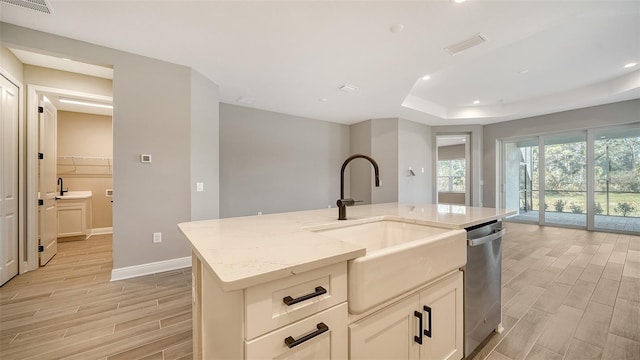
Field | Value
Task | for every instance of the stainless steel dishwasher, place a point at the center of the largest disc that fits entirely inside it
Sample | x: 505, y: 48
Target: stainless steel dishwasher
x: 482, y: 284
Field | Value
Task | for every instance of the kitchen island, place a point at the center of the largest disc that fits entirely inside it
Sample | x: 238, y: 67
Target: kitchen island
x: 262, y: 285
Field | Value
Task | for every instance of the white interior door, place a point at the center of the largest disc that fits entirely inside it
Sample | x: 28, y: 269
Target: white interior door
x: 8, y: 180
x: 47, y: 181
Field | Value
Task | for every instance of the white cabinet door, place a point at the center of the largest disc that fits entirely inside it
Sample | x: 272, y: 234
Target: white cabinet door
x: 322, y: 336
x: 442, y: 307
x: 387, y: 334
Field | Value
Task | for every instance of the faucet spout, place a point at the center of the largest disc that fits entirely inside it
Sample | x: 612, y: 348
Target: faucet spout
x: 60, y: 182
x: 342, y: 202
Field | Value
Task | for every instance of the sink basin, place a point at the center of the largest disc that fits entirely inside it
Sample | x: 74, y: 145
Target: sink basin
x: 400, y: 257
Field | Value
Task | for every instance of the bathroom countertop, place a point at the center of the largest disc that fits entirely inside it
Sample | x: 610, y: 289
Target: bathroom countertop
x: 246, y: 251
x: 72, y: 195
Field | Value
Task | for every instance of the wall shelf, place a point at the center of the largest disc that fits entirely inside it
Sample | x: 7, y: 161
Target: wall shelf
x: 84, y: 165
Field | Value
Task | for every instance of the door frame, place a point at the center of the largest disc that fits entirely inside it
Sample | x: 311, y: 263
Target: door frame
x: 23, y: 265
x: 30, y: 172
x: 468, y: 135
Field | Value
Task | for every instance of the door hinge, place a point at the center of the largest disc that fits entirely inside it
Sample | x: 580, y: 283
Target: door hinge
x: 40, y: 109
x: 40, y: 202
x: 40, y: 248
x: 40, y: 156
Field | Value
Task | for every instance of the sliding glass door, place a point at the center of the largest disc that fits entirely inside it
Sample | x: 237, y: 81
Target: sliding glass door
x: 617, y: 179
x: 588, y: 179
x: 521, y: 178
x: 565, y: 179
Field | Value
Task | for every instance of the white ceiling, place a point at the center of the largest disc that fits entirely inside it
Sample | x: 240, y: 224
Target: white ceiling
x: 291, y: 57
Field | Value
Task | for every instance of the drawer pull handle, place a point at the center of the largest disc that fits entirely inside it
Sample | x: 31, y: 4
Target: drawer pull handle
x: 428, y: 310
x: 418, y: 338
x: 291, y: 342
x: 290, y: 301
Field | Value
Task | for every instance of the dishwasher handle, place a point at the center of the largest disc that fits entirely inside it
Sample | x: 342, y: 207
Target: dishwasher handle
x: 485, y: 239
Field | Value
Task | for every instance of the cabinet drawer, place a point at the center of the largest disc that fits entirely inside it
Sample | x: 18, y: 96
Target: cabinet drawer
x: 265, y: 306
x: 321, y: 336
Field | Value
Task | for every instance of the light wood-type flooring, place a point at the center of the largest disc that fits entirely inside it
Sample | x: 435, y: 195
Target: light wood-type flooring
x: 69, y: 309
x: 567, y: 294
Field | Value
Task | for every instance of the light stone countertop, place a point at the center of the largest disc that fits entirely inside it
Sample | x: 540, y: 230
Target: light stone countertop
x: 246, y: 251
x: 72, y: 195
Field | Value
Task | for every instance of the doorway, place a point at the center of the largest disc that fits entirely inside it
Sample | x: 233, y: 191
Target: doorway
x: 453, y: 169
x: 79, y: 173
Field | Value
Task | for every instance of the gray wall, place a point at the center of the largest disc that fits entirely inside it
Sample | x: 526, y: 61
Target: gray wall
x: 152, y: 115
x: 396, y: 145
x: 414, y: 151
x: 360, y: 171
x: 205, y: 147
x: 625, y: 112
x: 10, y: 63
x: 384, y: 149
x: 272, y: 162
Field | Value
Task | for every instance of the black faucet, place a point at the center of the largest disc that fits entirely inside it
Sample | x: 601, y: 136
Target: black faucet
x: 62, y: 190
x: 342, y: 202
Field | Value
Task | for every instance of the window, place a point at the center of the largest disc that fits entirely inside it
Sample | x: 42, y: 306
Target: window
x: 451, y: 175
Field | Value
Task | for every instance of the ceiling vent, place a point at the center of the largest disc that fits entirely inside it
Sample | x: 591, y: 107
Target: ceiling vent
x: 348, y: 88
x: 246, y: 100
x: 467, y: 44
x: 41, y: 6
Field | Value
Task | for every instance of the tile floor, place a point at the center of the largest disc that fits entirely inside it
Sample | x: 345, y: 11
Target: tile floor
x: 567, y: 294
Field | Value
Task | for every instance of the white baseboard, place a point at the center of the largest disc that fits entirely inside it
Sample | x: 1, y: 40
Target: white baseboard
x: 150, y: 268
x: 101, y: 231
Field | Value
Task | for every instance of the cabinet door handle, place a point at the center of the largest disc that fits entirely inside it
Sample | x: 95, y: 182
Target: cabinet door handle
x: 288, y: 300
x: 291, y: 342
x: 428, y: 310
x: 418, y: 339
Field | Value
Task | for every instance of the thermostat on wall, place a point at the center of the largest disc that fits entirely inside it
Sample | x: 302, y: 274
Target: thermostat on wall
x: 144, y: 158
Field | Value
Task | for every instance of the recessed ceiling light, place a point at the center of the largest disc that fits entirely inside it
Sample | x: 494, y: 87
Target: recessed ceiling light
x: 426, y: 77
x: 476, y: 102
x: 86, y: 103
x: 523, y: 71
x: 396, y: 28
x: 246, y: 100
x: 322, y: 99
x: 630, y: 65
x: 348, y: 88
x: 458, y: 1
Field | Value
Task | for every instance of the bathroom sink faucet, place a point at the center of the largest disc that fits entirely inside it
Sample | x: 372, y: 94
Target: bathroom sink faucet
x: 62, y: 190
x: 342, y: 202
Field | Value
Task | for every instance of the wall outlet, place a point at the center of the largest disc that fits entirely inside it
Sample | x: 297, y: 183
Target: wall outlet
x: 199, y: 187
x: 157, y: 237
x: 259, y: 212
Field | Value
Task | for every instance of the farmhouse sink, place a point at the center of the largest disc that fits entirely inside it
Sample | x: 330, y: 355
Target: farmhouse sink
x: 400, y: 256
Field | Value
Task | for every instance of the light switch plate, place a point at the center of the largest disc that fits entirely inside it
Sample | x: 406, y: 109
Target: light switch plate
x: 199, y: 187
x: 145, y: 158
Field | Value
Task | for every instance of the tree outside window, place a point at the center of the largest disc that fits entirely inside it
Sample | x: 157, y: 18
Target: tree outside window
x: 451, y: 175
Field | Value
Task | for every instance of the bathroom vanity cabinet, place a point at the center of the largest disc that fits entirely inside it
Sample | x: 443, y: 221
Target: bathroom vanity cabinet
x: 74, y: 215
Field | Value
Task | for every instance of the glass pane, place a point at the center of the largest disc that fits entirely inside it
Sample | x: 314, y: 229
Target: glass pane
x: 521, y: 179
x: 443, y: 183
x: 566, y: 179
x: 617, y: 179
x: 458, y: 184
x: 444, y: 168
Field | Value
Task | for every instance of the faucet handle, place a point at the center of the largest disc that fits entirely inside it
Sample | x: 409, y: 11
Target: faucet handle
x: 346, y: 202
